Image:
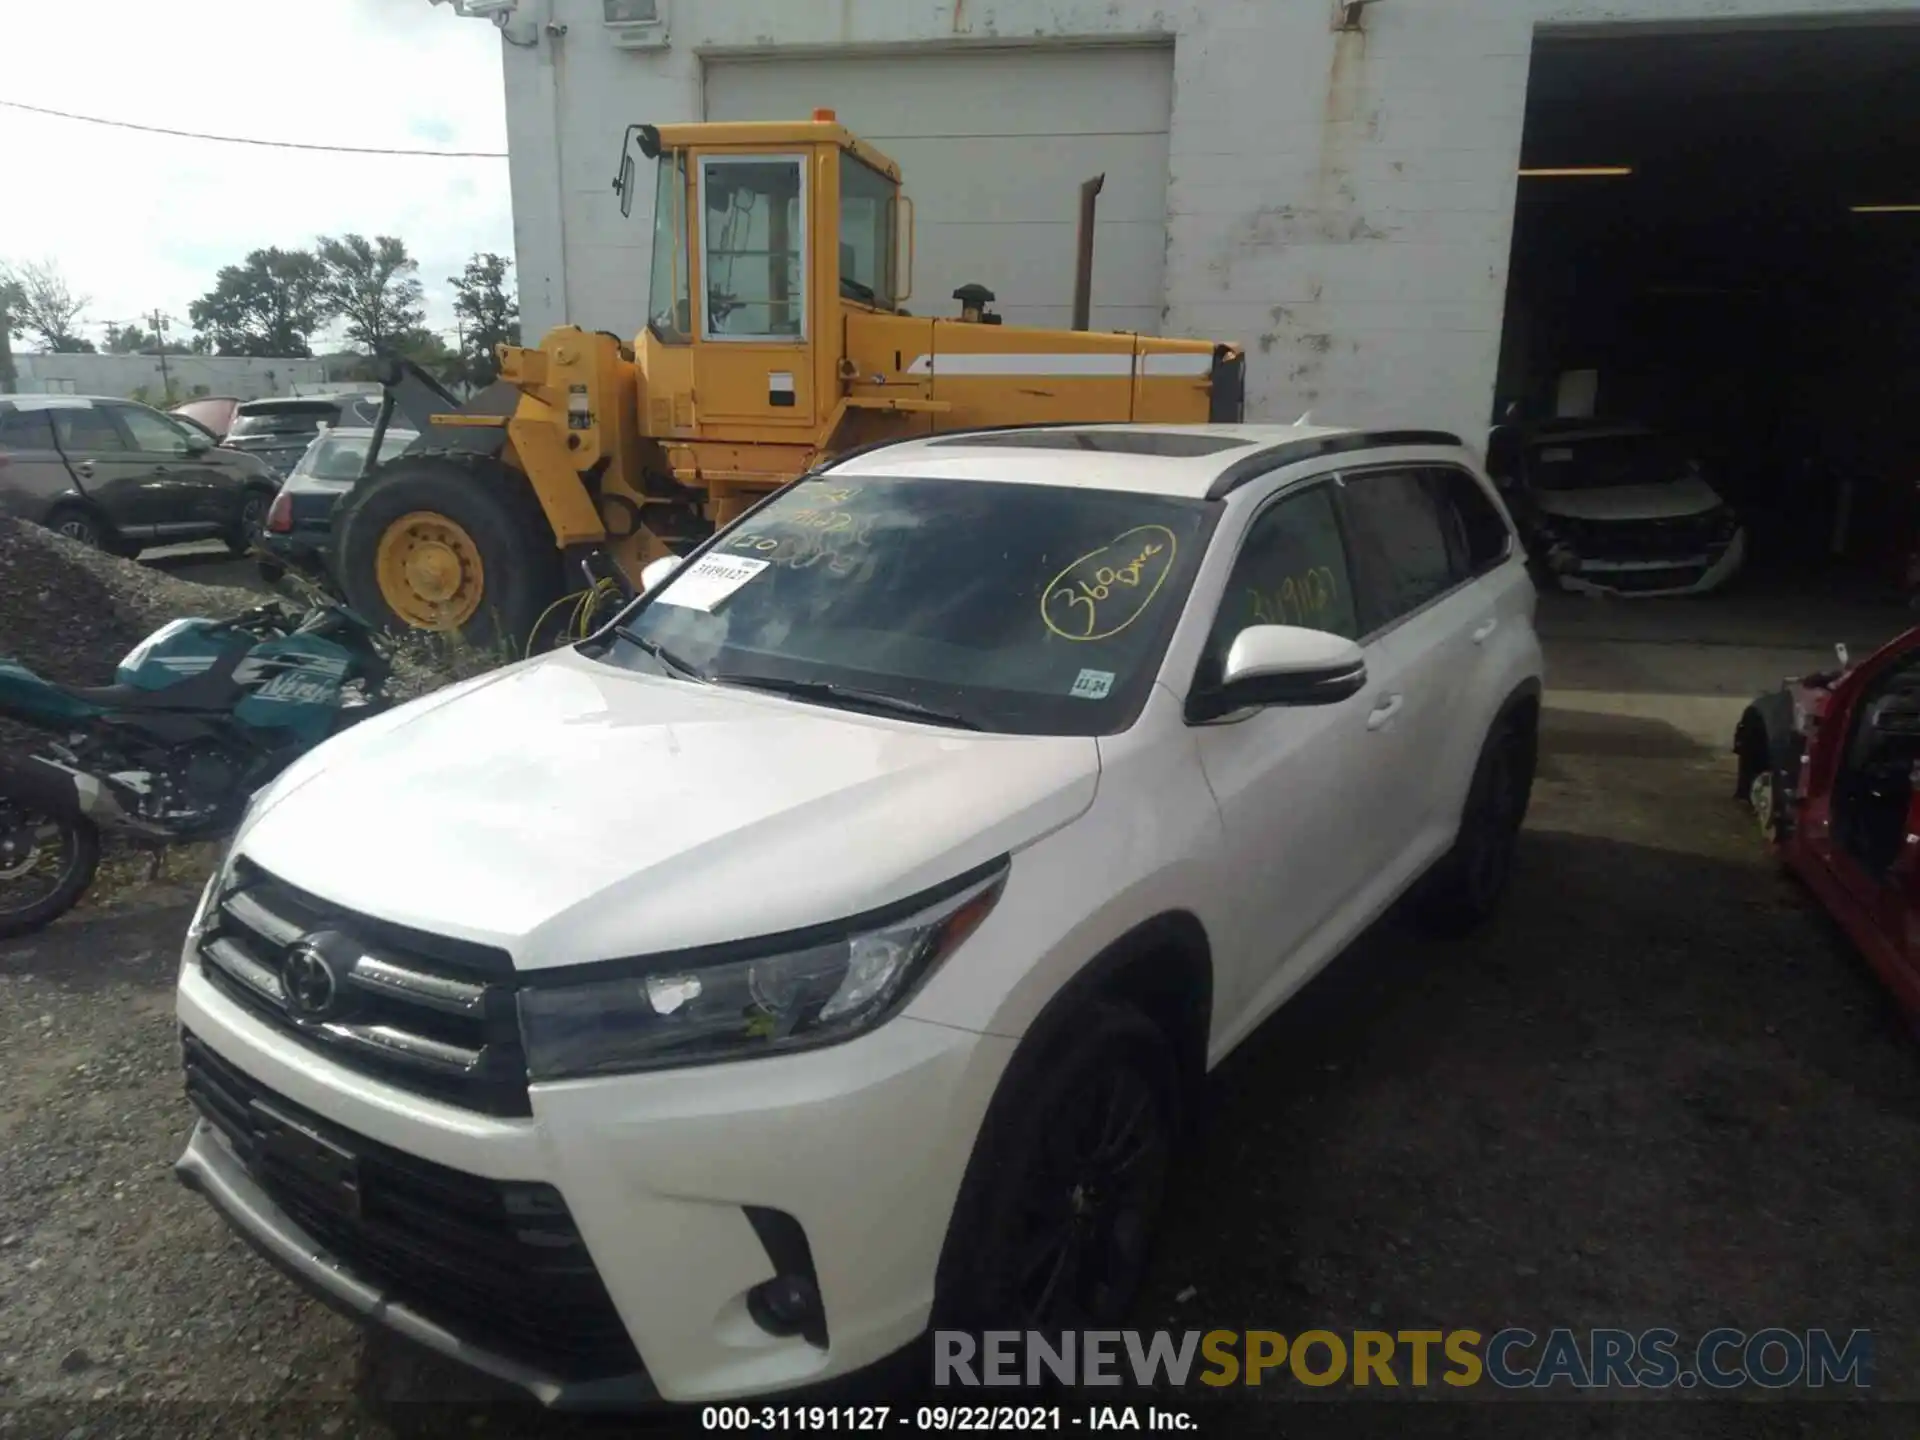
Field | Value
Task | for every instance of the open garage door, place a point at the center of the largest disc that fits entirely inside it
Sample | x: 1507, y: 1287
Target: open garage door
x: 1717, y: 234
x: 995, y: 145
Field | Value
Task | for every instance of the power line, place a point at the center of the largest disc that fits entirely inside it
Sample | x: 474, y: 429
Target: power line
x: 265, y: 144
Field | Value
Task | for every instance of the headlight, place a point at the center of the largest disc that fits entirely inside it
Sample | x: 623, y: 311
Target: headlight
x: 661, y: 1014
x: 204, y: 912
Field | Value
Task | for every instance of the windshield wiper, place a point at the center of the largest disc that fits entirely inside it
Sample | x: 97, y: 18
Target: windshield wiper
x: 660, y: 652
x: 849, y: 696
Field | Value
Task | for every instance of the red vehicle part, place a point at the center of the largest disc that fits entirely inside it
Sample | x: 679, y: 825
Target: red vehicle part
x: 1846, y: 820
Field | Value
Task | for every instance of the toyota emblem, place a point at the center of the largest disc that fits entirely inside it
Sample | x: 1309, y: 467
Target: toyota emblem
x: 310, y: 983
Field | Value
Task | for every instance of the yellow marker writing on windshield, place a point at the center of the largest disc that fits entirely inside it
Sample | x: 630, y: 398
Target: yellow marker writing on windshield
x: 1106, y: 590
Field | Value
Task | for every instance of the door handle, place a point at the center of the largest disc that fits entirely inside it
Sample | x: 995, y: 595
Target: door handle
x: 85, y: 467
x: 1480, y: 635
x: 1384, y: 712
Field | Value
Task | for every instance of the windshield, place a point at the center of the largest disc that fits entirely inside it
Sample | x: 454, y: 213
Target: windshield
x: 1030, y: 609
x: 867, y: 243
x: 339, y: 457
x: 1596, y: 462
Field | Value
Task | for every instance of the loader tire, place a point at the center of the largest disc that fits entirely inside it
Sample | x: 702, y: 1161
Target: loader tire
x: 451, y: 542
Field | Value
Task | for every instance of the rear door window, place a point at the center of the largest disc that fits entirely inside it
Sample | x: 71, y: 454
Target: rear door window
x: 1476, y: 535
x: 1401, y: 557
x: 25, y: 430
x: 90, y: 431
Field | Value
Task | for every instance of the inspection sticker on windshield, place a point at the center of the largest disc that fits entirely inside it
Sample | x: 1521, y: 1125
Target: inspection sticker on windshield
x: 1092, y: 685
x: 709, y: 580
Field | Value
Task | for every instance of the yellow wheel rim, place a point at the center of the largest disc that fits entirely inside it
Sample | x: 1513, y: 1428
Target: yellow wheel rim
x: 430, y: 571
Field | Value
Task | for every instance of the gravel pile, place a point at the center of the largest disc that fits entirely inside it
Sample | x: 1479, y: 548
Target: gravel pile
x: 70, y: 613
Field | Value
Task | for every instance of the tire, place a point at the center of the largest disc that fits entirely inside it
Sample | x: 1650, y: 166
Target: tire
x: 21, y: 912
x: 1048, y: 1240
x: 492, y: 536
x: 1464, y: 890
x: 83, y: 524
x: 254, y: 504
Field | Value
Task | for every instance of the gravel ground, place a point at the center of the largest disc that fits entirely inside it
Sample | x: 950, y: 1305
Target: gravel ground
x: 1659, y: 1090
x: 70, y: 613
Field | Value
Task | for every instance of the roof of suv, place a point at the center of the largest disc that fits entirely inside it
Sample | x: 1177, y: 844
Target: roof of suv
x: 57, y: 402
x: 1197, y: 461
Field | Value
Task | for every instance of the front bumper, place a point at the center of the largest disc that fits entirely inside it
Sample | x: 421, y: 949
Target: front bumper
x: 1682, y: 575
x: 212, y: 1170
x: 864, y: 1144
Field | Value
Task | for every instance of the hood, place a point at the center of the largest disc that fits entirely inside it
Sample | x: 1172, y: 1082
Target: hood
x: 568, y: 811
x: 1689, y: 495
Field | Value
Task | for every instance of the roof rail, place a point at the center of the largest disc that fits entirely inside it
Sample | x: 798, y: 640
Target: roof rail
x: 1292, y: 452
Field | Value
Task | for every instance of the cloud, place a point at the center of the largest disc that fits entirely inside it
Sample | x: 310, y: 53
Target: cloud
x: 140, y: 221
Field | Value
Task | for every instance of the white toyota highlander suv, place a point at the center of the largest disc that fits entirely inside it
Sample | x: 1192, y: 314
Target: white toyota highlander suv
x: 833, y: 946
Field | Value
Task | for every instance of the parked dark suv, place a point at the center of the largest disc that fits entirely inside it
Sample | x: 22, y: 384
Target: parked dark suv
x: 279, y: 430
x: 120, y: 476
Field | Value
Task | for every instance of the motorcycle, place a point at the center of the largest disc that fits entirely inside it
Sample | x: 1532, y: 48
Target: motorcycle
x: 201, y: 714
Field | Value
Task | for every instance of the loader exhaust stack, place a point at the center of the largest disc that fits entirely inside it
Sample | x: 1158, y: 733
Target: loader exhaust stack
x: 1083, y: 263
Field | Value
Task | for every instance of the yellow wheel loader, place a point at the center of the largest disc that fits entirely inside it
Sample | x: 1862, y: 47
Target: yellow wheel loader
x: 776, y: 338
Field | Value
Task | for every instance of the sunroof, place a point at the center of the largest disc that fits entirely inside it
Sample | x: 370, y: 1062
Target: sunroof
x: 1164, y: 444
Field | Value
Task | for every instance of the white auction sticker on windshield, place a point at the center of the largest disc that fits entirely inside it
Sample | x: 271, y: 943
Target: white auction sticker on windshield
x: 709, y: 580
x: 1092, y: 685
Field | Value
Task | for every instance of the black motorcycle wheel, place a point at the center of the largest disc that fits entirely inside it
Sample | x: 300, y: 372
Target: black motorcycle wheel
x: 46, y: 864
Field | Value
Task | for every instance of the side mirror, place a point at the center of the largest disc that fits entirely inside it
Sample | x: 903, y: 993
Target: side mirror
x: 656, y: 573
x: 1287, y: 665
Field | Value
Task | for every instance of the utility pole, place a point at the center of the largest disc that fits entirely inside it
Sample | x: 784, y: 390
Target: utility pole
x: 6, y: 348
x: 6, y: 338
x: 160, y: 334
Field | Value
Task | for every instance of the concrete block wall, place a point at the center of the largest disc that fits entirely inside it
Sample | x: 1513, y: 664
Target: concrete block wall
x: 1340, y: 203
x: 246, y: 377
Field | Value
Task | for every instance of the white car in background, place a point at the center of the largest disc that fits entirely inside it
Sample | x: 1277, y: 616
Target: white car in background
x: 836, y: 943
x: 1622, y: 509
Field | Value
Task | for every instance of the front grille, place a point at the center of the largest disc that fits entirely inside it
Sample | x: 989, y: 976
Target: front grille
x: 498, y: 1263
x: 423, y: 1012
x: 1665, y: 577
x: 1676, y: 538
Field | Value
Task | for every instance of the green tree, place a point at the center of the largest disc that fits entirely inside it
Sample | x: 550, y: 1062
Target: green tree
x: 489, y: 316
x: 269, y: 305
x: 372, y: 285
x: 45, y: 305
x: 431, y: 353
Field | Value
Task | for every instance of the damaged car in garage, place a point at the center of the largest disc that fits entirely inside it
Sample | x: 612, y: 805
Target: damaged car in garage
x: 1617, y: 508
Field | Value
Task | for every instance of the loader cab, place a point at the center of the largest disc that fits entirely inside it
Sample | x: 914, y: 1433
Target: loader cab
x: 764, y: 236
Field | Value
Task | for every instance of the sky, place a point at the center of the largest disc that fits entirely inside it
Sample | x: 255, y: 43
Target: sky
x: 139, y: 221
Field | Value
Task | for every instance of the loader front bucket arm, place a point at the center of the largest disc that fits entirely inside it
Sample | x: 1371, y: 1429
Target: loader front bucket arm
x: 430, y: 408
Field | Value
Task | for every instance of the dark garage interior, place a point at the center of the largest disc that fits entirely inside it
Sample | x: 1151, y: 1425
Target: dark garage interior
x: 1728, y: 289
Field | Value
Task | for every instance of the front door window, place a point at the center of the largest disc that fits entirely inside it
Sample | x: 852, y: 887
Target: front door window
x: 754, y: 217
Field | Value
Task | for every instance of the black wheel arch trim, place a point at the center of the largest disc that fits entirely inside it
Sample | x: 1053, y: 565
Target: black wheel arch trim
x: 1113, y: 973
x: 1771, y: 715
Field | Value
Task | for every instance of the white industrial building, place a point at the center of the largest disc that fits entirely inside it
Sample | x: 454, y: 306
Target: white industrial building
x: 180, y: 377
x: 1337, y: 187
